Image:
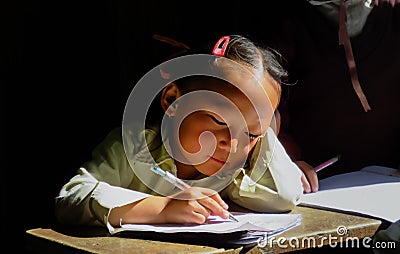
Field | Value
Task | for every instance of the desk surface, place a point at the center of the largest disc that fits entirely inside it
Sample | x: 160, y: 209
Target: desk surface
x: 316, y: 224
x: 321, y: 225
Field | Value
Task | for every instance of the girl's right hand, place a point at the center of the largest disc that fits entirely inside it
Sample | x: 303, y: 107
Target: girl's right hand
x: 193, y: 205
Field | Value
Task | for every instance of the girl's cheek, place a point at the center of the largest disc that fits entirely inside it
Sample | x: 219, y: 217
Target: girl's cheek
x: 246, y: 147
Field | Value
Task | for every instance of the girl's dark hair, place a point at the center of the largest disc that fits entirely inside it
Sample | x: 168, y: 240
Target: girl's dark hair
x: 240, y: 49
x: 249, y: 53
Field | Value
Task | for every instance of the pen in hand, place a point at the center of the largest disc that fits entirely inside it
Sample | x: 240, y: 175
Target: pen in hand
x: 327, y: 163
x: 177, y: 182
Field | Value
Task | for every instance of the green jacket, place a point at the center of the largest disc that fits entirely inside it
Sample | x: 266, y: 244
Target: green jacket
x: 114, y: 178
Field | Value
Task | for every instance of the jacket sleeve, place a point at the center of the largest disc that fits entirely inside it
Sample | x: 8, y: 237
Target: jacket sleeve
x: 273, y: 182
x: 101, y: 184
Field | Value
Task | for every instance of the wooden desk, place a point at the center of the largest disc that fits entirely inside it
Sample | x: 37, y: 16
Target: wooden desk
x: 321, y: 225
x: 316, y: 224
x: 47, y: 240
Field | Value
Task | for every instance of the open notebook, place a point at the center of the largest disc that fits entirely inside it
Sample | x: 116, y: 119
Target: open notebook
x: 218, y: 232
x: 372, y: 191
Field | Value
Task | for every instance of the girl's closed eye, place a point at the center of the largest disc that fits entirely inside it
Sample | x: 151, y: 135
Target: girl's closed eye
x: 217, y: 121
x: 250, y: 135
x: 253, y: 136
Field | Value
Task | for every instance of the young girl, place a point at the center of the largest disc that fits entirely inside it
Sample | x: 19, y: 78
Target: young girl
x: 210, y: 125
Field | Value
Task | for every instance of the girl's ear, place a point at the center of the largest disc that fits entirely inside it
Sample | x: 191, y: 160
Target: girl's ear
x: 169, y: 94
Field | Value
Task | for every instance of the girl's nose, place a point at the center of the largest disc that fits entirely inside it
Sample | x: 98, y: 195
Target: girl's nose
x: 228, y: 144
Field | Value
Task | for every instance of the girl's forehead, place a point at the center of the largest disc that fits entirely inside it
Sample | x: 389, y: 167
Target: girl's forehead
x: 230, y: 103
x: 245, y: 89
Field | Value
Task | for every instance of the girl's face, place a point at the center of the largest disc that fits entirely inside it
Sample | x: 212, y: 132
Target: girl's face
x: 217, y: 128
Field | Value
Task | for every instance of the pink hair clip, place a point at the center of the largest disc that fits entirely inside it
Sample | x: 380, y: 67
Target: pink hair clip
x: 221, y: 45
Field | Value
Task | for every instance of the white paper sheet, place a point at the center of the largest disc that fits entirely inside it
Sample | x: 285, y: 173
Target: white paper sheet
x: 369, y: 193
x: 257, y: 222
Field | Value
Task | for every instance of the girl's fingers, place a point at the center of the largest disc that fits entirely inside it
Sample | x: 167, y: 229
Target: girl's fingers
x: 203, y: 210
x: 213, y: 206
x: 217, y: 198
x: 204, y: 202
x: 312, y: 179
x: 309, y: 177
x: 185, y: 211
x: 306, y: 184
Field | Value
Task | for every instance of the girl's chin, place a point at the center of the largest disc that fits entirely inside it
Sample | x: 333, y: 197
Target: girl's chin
x: 210, y: 169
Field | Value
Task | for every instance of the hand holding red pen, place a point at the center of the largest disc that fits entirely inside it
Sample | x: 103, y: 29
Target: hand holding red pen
x: 309, y: 178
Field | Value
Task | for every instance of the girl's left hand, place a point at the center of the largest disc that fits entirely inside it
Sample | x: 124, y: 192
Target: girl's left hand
x: 309, y: 178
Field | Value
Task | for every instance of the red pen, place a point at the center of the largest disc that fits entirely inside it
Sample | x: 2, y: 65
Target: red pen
x: 327, y: 163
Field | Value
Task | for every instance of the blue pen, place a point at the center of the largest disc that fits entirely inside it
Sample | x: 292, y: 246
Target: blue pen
x: 177, y: 182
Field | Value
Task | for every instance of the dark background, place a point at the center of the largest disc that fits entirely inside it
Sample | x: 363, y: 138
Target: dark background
x: 67, y: 68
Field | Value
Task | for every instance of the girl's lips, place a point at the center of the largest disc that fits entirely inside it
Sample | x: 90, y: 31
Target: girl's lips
x: 216, y: 160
